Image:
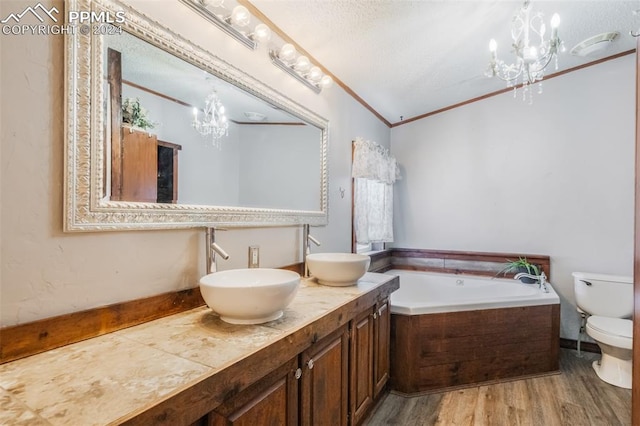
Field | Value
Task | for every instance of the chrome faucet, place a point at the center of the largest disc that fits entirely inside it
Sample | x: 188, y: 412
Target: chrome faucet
x: 307, y: 238
x: 212, y: 249
x: 542, y: 279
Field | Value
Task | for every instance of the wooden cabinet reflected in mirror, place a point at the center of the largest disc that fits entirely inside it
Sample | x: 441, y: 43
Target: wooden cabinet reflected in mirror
x: 136, y: 167
x: 167, y: 172
x: 143, y: 168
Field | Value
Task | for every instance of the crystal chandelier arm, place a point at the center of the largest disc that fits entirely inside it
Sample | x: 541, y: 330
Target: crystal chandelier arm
x: 505, y: 75
x: 547, y: 60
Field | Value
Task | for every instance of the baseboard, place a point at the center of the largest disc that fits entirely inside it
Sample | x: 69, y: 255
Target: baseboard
x: 584, y: 346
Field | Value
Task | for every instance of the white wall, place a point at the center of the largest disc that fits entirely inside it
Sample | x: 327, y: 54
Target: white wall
x: 280, y: 167
x: 555, y: 177
x: 45, y: 272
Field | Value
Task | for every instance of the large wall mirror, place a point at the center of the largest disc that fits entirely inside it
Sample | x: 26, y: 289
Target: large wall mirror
x: 136, y: 157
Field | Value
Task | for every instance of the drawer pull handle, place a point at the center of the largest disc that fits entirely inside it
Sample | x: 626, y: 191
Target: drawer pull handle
x: 310, y: 364
x: 298, y: 373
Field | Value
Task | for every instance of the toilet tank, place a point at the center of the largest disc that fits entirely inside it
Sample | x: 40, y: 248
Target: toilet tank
x: 604, y: 295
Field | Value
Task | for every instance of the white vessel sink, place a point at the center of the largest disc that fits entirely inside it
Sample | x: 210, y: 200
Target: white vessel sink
x: 338, y: 269
x: 249, y: 296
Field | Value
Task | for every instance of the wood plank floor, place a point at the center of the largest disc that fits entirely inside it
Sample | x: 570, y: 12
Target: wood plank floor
x: 577, y: 397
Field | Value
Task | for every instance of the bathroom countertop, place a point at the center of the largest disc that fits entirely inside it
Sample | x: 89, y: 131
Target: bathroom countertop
x: 121, y: 376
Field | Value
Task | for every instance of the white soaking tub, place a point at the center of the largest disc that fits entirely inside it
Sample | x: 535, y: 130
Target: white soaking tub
x: 431, y: 292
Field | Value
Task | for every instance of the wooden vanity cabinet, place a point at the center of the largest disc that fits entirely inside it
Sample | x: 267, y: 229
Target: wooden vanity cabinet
x: 335, y: 381
x: 369, y: 361
x: 362, y: 359
x: 325, y: 382
x: 272, y: 400
x: 382, y: 346
x: 310, y: 389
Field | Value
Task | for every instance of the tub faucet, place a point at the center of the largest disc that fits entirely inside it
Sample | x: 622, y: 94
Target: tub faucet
x: 212, y: 249
x: 307, y: 238
x: 542, y: 279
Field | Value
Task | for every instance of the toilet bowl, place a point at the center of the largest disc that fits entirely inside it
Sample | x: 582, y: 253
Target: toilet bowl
x: 607, y: 300
x: 613, y: 335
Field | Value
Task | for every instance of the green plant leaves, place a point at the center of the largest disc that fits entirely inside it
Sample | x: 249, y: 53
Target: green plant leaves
x: 133, y: 113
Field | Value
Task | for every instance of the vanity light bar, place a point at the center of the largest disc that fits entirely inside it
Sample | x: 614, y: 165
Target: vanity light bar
x: 289, y: 70
x: 220, y: 23
x: 287, y: 59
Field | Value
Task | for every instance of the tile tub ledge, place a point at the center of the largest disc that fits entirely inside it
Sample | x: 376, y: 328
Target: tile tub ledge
x: 176, y: 369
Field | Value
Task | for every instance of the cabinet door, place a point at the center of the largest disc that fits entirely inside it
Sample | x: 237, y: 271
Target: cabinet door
x: 272, y: 400
x: 325, y: 381
x: 382, y: 336
x: 139, y: 166
x: 362, y: 347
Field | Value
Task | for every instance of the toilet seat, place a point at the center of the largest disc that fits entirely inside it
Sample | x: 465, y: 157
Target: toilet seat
x: 616, y: 332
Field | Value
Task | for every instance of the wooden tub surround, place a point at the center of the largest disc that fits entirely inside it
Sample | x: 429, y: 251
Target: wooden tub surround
x: 326, y: 361
x: 436, y: 351
x: 453, y: 262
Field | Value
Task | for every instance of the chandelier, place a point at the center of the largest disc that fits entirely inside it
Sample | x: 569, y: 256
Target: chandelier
x: 213, y: 122
x: 527, y: 29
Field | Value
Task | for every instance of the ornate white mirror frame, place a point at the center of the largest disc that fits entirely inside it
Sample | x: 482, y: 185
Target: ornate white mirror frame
x: 87, y: 207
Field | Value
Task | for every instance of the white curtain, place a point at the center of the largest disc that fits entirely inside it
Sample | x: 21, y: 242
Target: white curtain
x: 374, y: 172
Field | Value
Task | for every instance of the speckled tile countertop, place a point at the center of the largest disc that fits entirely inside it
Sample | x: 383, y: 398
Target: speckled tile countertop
x: 104, y: 379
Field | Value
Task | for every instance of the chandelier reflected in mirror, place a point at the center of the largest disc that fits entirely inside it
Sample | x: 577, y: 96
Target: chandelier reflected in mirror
x: 533, y: 51
x: 214, y: 122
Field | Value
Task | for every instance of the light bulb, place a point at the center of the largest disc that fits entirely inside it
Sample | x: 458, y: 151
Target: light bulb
x: 493, y: 48
x: 240, y: 16
x: 287, y: 52
x: 302, y: 63
x: 555, y: 22
x: 262, y: 33
x: 221, y: 110
x: 195, y: 112
x: 315, y: 73
x: 326, y: 81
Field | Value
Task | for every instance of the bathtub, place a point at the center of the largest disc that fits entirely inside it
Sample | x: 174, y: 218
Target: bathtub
x: 430, y: 292
x: 450, y: 331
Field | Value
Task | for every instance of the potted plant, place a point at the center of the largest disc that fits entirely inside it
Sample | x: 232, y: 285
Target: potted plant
x: 135, y: 115
x: 521, y: 265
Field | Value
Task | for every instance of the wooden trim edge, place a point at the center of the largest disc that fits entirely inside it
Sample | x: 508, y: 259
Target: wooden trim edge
x: 635, y: 380
x: 276, y: 29
x: 23, y: 340
x: 509, y: 89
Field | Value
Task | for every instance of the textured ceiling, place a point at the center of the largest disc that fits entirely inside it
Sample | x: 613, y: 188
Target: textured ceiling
x: 408, y: 58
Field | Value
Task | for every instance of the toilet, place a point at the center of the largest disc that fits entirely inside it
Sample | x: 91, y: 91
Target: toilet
x: 607, y: 303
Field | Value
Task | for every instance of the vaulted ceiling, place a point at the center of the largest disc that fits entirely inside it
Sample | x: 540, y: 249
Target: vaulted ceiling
x: 407, y: 58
